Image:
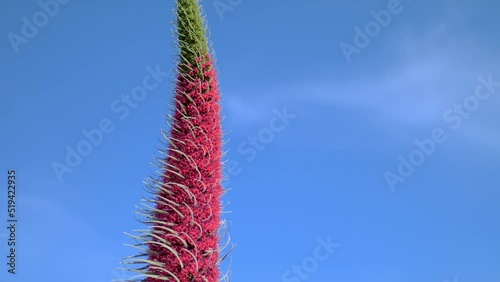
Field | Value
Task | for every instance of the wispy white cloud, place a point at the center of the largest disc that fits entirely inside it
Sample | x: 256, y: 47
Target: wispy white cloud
x: 433, y: 70
x: 248, y: 109
x: 428, y: 73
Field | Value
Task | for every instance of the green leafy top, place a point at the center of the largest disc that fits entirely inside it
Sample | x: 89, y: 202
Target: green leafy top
x: 193, y: 42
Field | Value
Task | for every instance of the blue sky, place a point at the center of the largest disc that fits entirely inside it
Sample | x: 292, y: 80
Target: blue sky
x: 318, y: 176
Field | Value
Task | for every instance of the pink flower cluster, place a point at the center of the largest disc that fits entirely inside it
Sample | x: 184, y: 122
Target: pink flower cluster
x: 191, y: 206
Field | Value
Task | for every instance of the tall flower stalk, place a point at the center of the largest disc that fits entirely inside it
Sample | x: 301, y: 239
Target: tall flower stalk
x: 182, y: 242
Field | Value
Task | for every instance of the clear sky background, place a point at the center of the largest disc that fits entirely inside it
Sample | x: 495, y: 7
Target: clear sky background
x: 319, y: 176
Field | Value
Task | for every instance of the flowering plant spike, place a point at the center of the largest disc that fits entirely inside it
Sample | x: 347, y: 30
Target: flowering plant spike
x: 182, y: 242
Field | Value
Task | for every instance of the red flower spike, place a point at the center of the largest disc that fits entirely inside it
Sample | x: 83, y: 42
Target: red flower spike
x: 183, y: 242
